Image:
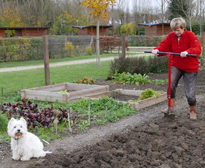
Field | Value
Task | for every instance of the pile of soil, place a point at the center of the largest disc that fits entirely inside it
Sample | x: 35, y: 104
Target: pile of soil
x: 146, y: 139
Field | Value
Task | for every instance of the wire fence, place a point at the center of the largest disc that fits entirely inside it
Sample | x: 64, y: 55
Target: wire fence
x: 31, y: 48
x: 80, y: 43
x: 56, y: 45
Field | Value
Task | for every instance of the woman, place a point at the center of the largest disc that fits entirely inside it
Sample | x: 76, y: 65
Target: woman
x: 183, y: 42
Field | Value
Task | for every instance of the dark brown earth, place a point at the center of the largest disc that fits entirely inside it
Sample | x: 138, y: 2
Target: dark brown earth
x: 152, y: 142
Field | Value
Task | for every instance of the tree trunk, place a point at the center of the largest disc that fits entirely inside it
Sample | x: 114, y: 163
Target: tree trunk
x: 200, y: 18
x: 98, y: 43
x: 123, y: 46
x: 162, y: 8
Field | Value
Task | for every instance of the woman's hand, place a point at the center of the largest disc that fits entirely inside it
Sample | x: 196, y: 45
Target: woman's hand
x: 183, y: 54
x: 155, y: 52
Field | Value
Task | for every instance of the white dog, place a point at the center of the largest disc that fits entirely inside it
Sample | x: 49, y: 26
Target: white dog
x: 24, y: 145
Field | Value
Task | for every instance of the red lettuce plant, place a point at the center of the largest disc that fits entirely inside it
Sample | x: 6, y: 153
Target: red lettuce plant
x: 34, y: 115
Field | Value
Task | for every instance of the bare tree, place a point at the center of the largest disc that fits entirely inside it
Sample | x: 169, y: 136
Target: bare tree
x: 163, y: 6
x: 201, y: 4
x: 119, y: 13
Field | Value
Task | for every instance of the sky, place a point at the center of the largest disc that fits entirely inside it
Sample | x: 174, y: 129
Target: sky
x: 130, y: 3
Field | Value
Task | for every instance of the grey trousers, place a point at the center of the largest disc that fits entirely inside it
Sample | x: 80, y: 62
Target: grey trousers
x: 189, y: 84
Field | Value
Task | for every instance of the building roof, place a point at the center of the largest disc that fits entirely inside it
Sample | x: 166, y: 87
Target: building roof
x: 145, y: 24
x: 14, y: 28
x: 82, y: 27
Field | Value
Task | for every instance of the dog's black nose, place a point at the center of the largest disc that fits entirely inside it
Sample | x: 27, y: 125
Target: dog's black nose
x: 18, y: 130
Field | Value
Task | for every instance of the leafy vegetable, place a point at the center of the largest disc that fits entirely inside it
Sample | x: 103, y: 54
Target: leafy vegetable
x: 32, y: 113
x: 64, y: 91
x: 160, y: 81
x: 127, y: 78
x: 67, y: 91
x: 37, y: 117
x: 147, y: 93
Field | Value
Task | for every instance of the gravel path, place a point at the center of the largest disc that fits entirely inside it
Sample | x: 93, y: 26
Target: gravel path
x: 62, y: 63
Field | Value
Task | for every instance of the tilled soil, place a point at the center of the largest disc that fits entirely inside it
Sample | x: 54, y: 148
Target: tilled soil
x: 145, y: 140
x: 160, y: 143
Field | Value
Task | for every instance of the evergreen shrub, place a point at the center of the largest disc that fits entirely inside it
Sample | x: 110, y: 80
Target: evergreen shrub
x: 139, y: 65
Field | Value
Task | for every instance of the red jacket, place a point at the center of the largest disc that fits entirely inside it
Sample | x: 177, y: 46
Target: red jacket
x: 188, y: 42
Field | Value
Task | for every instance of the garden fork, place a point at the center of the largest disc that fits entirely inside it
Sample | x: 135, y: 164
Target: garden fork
x: 169, y: 114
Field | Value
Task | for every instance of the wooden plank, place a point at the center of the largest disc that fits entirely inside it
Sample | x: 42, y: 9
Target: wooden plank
x: 130, y: 92
x: 48, y: 86
x: 152, y: 101
x: 44, y: 98
x: 85, y: 92
x: 43, y: 95
x: 51, y: 88
x: 23, y: 94
x: 84, y: 86
x: 95, y: 96
x: 76, y: 86
x: 55, y: 89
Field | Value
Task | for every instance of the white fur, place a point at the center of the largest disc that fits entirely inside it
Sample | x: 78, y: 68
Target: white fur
x: 26, y: 145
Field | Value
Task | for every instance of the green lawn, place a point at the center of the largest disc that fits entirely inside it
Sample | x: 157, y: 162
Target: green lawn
x: 15, y: 81
x: 41, y: 62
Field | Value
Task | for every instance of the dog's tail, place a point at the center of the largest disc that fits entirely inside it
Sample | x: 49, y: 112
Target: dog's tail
x: 47, y: 152
x: 44, y: 153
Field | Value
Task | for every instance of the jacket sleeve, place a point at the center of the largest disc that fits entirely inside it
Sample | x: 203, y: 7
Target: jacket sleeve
x: 195, y: 45
x: 164, y: 46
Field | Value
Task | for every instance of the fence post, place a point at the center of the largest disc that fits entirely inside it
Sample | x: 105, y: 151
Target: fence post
x: 46, y: 59
x: 203, y: 44
x: 123, y: 46
x: 4, y: 58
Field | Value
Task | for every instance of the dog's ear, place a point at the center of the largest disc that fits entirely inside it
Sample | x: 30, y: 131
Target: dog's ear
x: 23, y: 120
x: 11, y: 120
x: 9, y: 125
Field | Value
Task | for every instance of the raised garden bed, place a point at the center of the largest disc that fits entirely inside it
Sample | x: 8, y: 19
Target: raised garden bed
x: 142, y: 103
x: 50, y: 93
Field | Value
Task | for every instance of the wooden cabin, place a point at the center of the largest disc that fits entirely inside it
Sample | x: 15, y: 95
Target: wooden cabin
x: 158, y: 29
x: 91, y: 30
x: 24, y: 31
